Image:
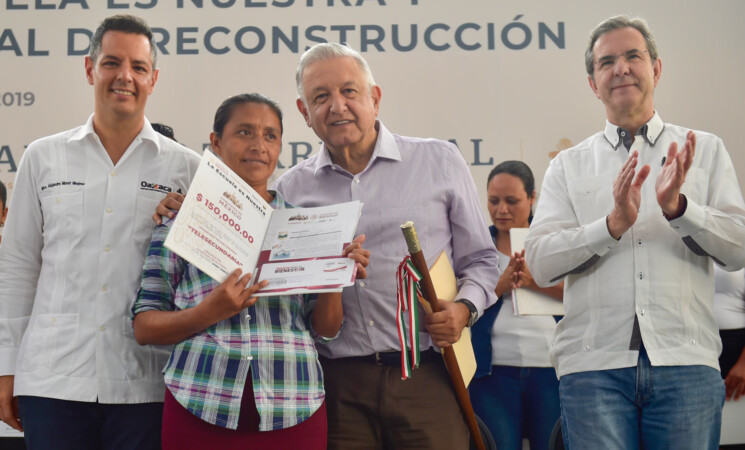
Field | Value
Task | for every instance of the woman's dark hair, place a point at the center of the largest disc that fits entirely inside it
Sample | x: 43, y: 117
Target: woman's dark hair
x: 517, y: 169
x: 225, y: 111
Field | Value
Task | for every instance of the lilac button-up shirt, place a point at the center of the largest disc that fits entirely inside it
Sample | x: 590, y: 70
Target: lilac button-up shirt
x: 423, y: 180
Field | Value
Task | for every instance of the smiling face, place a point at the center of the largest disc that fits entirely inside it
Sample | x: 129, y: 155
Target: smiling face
x: 250, y: 142
x: 508, y: 203
x: 340, y: 106
x: 625, y: 77
x: 122, y: 76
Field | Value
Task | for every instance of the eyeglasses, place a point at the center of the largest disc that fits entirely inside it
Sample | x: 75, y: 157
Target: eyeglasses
x: 632, y: 57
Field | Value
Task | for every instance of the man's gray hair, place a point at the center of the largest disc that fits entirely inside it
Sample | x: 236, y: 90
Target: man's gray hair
x: 615, y: 23
x: 126, y: 24
x: 325, y: 51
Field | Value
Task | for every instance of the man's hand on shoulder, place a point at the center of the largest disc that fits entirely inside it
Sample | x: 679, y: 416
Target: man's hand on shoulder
x: 170, y: 203
x: 8, y: 403
x: 446, y: 325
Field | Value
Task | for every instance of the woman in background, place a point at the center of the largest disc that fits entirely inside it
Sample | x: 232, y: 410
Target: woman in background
x: 515, y: 390
x: 243, y: 373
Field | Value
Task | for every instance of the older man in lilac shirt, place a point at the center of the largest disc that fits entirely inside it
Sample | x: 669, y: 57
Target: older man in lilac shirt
x: 398, y: 179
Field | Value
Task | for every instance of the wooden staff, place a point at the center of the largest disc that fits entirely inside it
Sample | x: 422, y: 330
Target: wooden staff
x: 428, y: 289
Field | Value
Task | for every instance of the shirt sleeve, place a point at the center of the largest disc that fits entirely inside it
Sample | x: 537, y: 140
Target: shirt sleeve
x: 474, y: 254
x: 716, y: 228
x: 161, y: 275
x: 557, y: 244
x: 20, y: 262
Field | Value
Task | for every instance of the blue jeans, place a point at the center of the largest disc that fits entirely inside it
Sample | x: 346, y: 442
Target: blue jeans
x: 50, y: 423
x: 515, y: 402
x: 642, y: 407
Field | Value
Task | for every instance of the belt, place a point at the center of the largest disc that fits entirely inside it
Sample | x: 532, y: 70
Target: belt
x: 391, y: 358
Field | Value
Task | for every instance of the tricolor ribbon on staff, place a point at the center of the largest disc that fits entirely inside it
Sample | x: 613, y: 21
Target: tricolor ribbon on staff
x: 407, y: 278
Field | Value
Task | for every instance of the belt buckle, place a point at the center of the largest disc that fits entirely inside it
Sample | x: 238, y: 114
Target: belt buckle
x: 377, y: 359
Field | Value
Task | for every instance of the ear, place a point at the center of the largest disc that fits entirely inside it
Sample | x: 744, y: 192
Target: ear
x: 215, y: 143
x: 593, y: 86
x: 531, y: 200
x: 376, y: 94
x: 657, y: 70
x: 89, y: 70
x: 303, y: 110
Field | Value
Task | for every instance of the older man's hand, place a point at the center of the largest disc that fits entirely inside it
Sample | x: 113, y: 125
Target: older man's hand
x: 446, y: 325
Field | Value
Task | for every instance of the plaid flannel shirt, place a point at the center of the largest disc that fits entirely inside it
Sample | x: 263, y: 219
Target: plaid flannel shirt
x: 207, y: 372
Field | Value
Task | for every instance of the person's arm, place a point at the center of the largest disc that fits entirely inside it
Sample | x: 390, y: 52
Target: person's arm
x: 704, y: 203
x: 474, y: 256
x: 20, y: 264
x: 171, y: 327
x: 328, y: 314
x: 558, y: 244
x: 8, y: 403
x: 735, y: 380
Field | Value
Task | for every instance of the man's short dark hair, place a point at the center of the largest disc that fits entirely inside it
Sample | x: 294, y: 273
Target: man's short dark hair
x: 126, y: 24
x: 616, y: 23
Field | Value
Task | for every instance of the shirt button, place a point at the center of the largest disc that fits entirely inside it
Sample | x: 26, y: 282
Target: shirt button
x: 356, y: 180
x: 59, y: 200
x: 641, y: 276
x: 693, y: 341
x: 249, y: 358
x: 248, y: 316
x: 108, y: 210
x: 587, y: 348
x: 371, y: 323
x: 107, y: 249
x: 113, y: 173
x: 104, y: 288
x: 102, y: 328
x: 639, y: 241
x: 333, y: 167
x: 362, y: 284
x: 641, y: 311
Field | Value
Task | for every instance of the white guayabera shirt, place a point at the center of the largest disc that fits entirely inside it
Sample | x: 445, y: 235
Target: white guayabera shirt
x: 71, y: 260
x: 659, y: 271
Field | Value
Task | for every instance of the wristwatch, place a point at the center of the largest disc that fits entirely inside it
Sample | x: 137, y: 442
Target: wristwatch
x: 474, y: 313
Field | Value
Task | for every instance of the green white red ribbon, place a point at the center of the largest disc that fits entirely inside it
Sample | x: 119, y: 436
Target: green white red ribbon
x: 407, y: 278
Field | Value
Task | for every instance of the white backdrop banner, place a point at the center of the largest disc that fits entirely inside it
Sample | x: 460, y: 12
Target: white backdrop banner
x: 502, y: 79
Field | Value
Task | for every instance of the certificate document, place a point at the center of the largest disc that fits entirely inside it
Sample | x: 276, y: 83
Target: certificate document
x: 224, y: 224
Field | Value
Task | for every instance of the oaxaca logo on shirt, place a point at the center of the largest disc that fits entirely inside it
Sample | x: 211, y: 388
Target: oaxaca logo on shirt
x: 147, y: 186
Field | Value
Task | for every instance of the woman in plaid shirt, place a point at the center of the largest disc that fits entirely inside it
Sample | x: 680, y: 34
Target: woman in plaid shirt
x: 242, y: 373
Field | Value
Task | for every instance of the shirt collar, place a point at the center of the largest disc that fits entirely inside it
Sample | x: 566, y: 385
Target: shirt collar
x: 651, y: 131
x: 385, y: 147
x: 279, y: 200
x: 147, y: 133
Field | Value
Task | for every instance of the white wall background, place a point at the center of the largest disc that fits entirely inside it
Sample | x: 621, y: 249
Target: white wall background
x: 518, y: 104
